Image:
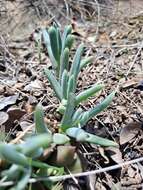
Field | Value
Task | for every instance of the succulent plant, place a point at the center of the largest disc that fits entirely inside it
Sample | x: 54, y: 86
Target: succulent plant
x: 64, y: 80
x: 24, y: 159
x: 27, y: 159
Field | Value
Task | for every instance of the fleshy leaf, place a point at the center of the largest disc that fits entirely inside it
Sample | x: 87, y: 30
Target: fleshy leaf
x: 60, y: 138
x: 64, y: 84
x: 77, y: 133
x: 59, y: 41
x: 76, y: 117
x: 35, y: 142
x: 69, y: 41
x: 62, y: 107
x: 9, y: 153
x: 100, y: 141
x: 97, y: 109
x: 39, y: 120
x: 75, y: 68
x: 54, y: 42
x: 67, y: 30
x: 64, y: 63
x: 48, y: 46
x: 54, y: 83
x: 23, y: 181
x: 88, y: 93
x: 85, y: 61
x: 71, y: 87
x: 83, y: 136
x: 13, y: 172
x: 67, y: 117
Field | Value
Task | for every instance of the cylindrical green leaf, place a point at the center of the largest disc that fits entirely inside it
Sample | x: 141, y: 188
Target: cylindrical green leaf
x: 85, y: 61
x: 75, y: 68
x: 67, y: 30
x: 39, y: 120
x: 54, y: 83
x: 13, y: 172
x: 49, y: 49
x: 88, y: 93
x: 35, y: 142
x: 59, y: 40
x: 64, y: 63
x: 67, y: 117
x: 76, y: 117
x: 23, y: 181
x: 83, y: 136
x: 62, y: 107
x: 69, y: 41
x: 94, y: 139
x: 60, y: 138
x: 71, y: 85
x: 11, y: 155
x: 97, y: 109
x: 64, y: 84
x: 54, y: 42
x: 77, y: 133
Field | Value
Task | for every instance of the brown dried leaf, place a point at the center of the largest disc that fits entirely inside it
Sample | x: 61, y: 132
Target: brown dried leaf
x: 18, y: 85
x: 140, y: 85
x: 8, y: 101
x: 34, y: 85
x: 102, y: 152
x: 130, y: 83
x: 76, y: 166
x: 129, y: 132
x: 47, y: 153
x: 63, y: 156
x: 29, y: 108
x: 104, y: 38
x: 2, y: 89
x: 14, y: 114
x: 131, y: 172
x: 115, y: 154
x: 32, y: 100
x: 3, y: 117
x: 24, y: 124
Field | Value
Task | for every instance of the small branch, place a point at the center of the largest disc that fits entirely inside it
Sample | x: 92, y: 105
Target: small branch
x: 135, y: 58
x: 21, y: 135
x: 64, y: 177
x: 98, y: 20
x: 102, y: 170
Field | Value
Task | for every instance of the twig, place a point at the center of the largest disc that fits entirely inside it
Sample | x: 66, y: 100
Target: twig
x: 135, y: 58
x: 111, y: 63
x: 137, y: 106
x: 114, y: 46
x: 22, y: 134
x: 64, y: 177
x: 98, y: 20
x: 16, y: 89
x: 67, y: 8
x: 101, y: 170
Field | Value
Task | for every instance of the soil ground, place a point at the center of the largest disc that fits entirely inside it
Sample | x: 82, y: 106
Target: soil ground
x: 113, y: 33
